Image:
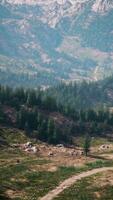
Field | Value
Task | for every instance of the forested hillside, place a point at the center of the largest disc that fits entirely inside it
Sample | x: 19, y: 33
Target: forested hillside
x: 85, y: 95
x: 61, y: 113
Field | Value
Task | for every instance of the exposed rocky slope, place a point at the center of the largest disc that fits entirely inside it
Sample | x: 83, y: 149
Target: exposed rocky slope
x: 43, y: 42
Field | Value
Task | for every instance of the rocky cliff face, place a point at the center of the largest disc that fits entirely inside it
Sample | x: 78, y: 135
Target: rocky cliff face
x: 102, y: 6
x: 46, y: 41
x: 54, y: 10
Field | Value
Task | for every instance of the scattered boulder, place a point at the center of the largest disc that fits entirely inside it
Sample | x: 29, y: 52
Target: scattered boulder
x: 72, y: 153
x: 82, y: 153
x: 31, y: 149
x: 28, y: 144
x: 34, y: 149
x: 104, y: 147
x: 28, y: 147
x: 50, y: 154
x: 60, y: 145
x: 76, y: 153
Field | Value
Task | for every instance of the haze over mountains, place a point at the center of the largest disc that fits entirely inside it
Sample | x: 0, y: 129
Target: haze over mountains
x: 46, y: 41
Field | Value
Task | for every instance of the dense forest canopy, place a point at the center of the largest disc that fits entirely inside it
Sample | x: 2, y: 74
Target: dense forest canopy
x: 84, y: 108
x: 84, y: 95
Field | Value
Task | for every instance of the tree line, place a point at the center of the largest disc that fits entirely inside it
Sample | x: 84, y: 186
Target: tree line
x: 33, y: 114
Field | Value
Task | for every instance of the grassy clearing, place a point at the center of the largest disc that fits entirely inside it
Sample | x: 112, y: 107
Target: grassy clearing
x: 20, y: 177
x: 13, y: 135
x: 90, y: 188
x: 34, y: 183
x: 24, y: 180
x: 96, y: 141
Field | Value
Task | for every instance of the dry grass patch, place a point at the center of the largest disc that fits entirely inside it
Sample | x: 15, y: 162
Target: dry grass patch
x: 96, y: 187
x: 14, y: 194
x: 103, y: 179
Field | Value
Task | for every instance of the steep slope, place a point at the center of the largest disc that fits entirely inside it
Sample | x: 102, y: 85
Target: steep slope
x: 44, y: 42
x: 83, y: 96
x: 102, y: 5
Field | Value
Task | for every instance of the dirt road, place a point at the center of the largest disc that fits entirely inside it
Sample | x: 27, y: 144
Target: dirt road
x: 70, y: 181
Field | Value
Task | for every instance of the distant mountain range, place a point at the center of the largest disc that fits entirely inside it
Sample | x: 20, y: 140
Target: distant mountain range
x: 43, y: 42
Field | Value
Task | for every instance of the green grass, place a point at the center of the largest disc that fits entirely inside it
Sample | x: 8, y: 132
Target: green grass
x: 13, y: 135
x: 24, y: 178
x: 100, y: 163
x: 95, y: 141
x: 85, y: 189
x: 38, y: 183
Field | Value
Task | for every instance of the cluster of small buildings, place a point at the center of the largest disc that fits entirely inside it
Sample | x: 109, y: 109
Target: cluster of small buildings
x: 55, y: 150
x: 29, y: 147
x: 66, y: 151
x: 104, y: 147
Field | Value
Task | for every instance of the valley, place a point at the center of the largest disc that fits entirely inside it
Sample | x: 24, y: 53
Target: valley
x: 56, y: 100
x: 33, y: 175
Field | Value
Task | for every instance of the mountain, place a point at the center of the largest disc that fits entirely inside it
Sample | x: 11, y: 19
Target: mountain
x: 43, y: 42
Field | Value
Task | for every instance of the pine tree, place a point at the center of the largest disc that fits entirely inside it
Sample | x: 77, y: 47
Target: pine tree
x: 43, y: 135
x: 31, y: 99
x: 87, y: 144
x: 55, y: 138
x: 50, y: 130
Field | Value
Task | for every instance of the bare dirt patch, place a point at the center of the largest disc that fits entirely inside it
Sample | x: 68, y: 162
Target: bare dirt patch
x: 64, y: 156
x: 103, y: 179
x: 70, y: 181
x: 14, y: 194
x: 97, y: 194
x: 108, y: 156
x: 51, y: 167
x: 22, y: 180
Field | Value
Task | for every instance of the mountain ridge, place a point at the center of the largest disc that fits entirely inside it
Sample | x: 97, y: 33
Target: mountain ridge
x: 62, y: 8
x: 55, y: 41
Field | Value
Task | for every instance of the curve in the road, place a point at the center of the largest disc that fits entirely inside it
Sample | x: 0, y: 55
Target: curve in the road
x: 70, y: 181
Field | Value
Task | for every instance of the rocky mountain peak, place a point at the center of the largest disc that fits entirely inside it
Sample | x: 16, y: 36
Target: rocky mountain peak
x: 55, y: 40
x: 54, y: 10
x: 102, y: 5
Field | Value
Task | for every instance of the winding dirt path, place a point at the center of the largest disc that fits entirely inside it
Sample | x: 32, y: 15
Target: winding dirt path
x: 70, y: 181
